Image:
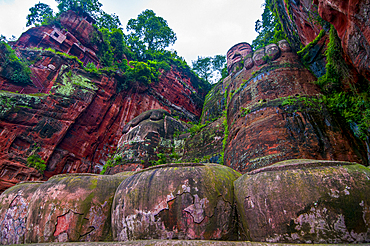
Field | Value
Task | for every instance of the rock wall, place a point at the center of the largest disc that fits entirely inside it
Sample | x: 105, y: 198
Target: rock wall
x: 351, y: 20
x: 71, y: 118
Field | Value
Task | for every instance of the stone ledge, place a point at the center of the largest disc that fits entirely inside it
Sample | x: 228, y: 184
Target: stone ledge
x: 180, y: 243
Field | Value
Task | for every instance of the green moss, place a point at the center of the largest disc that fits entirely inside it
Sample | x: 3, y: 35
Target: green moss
x: 305, y: 52
x: 36, y: 162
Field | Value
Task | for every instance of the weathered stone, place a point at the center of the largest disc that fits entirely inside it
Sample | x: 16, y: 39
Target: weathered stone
x: 305, y: 201
x: 14, y: 203
x: 275, y: 113
x: 351, y: 20
x: 177, y: 201
x: 272, y: 51
x: 72, y: 208
x: 206, y: 144
x: 151, y: 133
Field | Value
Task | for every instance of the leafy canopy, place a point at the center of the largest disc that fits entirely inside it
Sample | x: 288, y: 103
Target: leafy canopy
x: 269, y: 28
x: 38, y: 14
x: 41, y: 13
x: 206, y: 67
x: 150, y: 31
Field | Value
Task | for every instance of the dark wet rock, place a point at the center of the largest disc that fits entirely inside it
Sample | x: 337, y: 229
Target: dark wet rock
x: 152, y: 132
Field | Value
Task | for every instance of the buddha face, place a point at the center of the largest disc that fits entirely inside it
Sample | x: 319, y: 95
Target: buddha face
x: 236, y: 54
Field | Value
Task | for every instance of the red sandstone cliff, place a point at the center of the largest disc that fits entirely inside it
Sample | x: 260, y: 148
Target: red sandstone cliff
x: 74, y: 119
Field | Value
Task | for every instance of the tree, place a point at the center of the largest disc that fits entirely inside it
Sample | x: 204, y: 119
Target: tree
x: 150, y: 31
x: 218, y: 63
x: 91, y: 7
x: 269, y: 29
x: 203, y: 67
x: 38, y: 14
x: 207, y: 67
x: 42, y: 14
x: 109, y: 21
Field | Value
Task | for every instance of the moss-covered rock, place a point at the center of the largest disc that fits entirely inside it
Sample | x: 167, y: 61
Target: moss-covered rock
x: 72, y: 208
x: 305, y: 201
x: 177, y: 201
x: 206, y: 144
x: 149, y: 136
x: 14, y: 203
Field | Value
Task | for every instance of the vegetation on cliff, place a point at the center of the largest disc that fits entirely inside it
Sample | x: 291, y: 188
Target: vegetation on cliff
x: 139, y: 55
x: 342, y: 95
x: 12, y: 67
x: 269, y: 29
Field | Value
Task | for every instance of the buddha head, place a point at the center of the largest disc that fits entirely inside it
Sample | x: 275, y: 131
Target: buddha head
x: 237, y: 53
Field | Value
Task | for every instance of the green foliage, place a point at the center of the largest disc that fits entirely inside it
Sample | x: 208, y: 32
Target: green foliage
x: 244, y: 111
x: 197, y: 128
x: 142, y: 72
x: 42, y: 14
x: 90, y: 67
x: 304, y: 53
x: 353, y: 103
x: 150, y: 31
x: 36, y: 162
x: 39, y: 14
x: 70, y: 80
x: 269, y: 29
x: 206, y: 67
x: 13, y: 68
x: 161, y: 159
x: 203, y: 67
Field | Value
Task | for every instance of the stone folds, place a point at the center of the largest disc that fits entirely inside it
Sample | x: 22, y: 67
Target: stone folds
x: 177, y: 201
x: 305, y: 201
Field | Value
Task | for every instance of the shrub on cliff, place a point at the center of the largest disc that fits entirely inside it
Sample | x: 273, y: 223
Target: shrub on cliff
x: 36, y: 162
x: 12, y: 67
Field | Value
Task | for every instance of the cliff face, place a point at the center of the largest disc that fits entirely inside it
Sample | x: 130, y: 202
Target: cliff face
x: 351, y: 20
x: 73, y: 118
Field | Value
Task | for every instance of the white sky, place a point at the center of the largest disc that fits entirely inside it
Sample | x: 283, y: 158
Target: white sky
x: 203, y: 27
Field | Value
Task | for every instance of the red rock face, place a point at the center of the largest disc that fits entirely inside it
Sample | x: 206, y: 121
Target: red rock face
x: 351, y: 20
x: 274, y: 114
x: 74, y: 133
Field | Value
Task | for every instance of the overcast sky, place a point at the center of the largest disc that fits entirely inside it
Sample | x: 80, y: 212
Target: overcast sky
x: 203, y: 27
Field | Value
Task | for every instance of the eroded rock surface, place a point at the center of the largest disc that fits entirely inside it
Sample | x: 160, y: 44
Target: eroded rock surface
x: 14, y: 204
x: 152, y: 132
x: 177, y: 201
x: 305, y: 201
x: 72, y: 208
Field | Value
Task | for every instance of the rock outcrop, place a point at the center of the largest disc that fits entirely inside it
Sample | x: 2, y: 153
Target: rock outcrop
x: 72, y: 118
x: 66, y: 208
x: 305, y: 201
